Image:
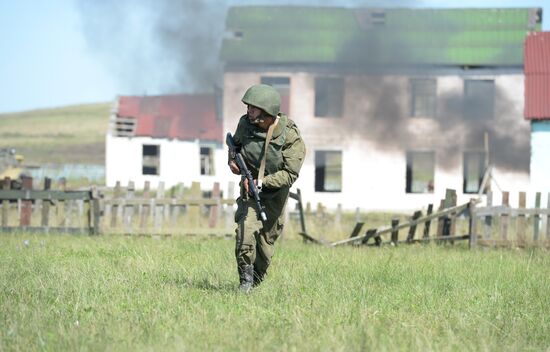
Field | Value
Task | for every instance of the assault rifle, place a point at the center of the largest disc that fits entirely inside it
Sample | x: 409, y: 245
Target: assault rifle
x: 245, y: 173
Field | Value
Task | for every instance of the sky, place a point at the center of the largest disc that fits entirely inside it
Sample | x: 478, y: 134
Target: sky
x: 59, y: 52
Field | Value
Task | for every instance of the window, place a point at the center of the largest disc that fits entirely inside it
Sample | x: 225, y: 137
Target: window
x: 282, y: 85
x: 328, y: 171
x: 124, y: 126
x: 479, y: 98
x: 151, y: 159
x: 474, y: 169
x: 423, y: 97
x: 420, y: 172
x: 329, y: 96
x: 207, y: 161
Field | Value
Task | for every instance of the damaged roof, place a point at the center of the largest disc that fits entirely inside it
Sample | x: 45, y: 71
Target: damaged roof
x: 364, y: 36
x: 183, y: 117
x: 537, y: 76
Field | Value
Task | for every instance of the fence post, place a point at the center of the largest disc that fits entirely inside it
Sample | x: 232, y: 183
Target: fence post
x: 95, y: 211
x: 194, y: 210
x: 473, y: 224
x: 394, y: 232
x: 5, y: 202
x: 45, y: 222
x: 145, y: 208
x: 129, y: 208
x: 536, y: 218
x: 26, y: 205
x: 427, y: 223
x: 504, y: 219
x: 229, y: 218
x: 488, y: 225
x: 115, y: 207
x: 412, y: 230
x: 521, y: 219
x: 214, y: 209
x: 159, y: 209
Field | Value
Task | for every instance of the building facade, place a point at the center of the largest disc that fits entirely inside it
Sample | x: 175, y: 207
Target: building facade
x: 395, y: 106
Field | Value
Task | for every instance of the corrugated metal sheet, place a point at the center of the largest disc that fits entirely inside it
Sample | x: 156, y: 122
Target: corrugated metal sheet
x: 324, y: 35
x: 537, y: 76
x: 184, y: 117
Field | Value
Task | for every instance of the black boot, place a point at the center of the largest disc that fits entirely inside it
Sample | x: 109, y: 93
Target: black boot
x: 259, y: 276
x: 246, y: 273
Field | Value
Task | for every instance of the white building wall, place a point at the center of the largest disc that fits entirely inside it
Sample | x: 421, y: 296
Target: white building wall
x: 179, y: 163
x: 540, y: 155
x: 374, y: 177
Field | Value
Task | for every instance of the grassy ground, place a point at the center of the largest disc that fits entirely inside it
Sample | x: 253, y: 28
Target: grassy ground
x: 120, y: 293
x: 66, y: 135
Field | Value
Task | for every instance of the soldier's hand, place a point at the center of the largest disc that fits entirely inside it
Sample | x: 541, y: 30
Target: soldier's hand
x: 246, y: 187
x: 234, y: 168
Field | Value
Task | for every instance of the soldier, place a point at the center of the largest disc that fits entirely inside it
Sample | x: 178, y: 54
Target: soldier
x: 273, y: 150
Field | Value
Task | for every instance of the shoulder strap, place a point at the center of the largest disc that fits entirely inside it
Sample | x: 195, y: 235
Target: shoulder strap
x: 266, y: 146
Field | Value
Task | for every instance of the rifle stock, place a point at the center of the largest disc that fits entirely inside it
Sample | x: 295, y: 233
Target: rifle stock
x: 245, y: 172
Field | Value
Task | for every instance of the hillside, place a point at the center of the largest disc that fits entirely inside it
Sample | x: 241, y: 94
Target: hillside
x: 64, y: 135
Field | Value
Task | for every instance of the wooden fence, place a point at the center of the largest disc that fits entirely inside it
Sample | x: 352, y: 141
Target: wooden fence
x: 488, y: 225
x: 121, y: 210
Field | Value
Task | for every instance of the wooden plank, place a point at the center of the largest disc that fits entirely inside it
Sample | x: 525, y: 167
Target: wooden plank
x: 440, y: 219
x: 31, y: 194
x: 96, y: 212
x: 521, y: 222
x: 215, y: 209
x: 504, y: 219
x: 6, y: 185
x: 45, y: 222
x: 129, y: 208
x: 412, y: 230
x: 395, y: 231
x: 26, y: 205
x: 488, y: 223
x: 370, y: 234
x: 145, y: 207
x: 426, y: 233
x: 194, y: 210
x: 536, y: 218
x: 500, y: 210
x: 451, y: 202
x: 175, y: 212
x: 472, y: 225
x: 159, y: 208
x: 356, y: 229
x: 114, y: 209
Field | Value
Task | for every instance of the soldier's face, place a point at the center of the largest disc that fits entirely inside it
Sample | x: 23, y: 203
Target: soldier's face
x: 253, y: 112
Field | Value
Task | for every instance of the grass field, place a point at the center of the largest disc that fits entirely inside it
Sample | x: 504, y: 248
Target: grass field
x: 63, y: 293
x: 66, y: 135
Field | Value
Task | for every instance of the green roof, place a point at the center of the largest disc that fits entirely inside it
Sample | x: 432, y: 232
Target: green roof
x: 329, y: 35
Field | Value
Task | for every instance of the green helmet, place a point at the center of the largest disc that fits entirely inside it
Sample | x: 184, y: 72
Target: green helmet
x: 264, y: 97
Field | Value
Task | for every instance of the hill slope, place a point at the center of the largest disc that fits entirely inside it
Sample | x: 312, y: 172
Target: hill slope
x: 65, y: 135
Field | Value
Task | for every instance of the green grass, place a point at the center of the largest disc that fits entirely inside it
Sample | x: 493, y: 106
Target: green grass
x: 121, y: 293
x: 65, y: 135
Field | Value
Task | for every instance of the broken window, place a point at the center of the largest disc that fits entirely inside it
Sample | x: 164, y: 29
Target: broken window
x: 151, y: 159
x: 328, y: 171
x: 329, y: 96
x: 282, y: 85
x: 474, y: 169
x: 207, y: 160
x: 423, y: 97
x: 479, y: 98
x: 420, y: 171
x: 124, y: 126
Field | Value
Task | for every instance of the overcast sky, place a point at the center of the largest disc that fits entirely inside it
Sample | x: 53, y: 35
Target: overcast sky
x: 48, y: 58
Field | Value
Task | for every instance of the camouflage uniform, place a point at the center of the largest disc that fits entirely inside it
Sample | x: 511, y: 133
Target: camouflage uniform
x: 255, y: 240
